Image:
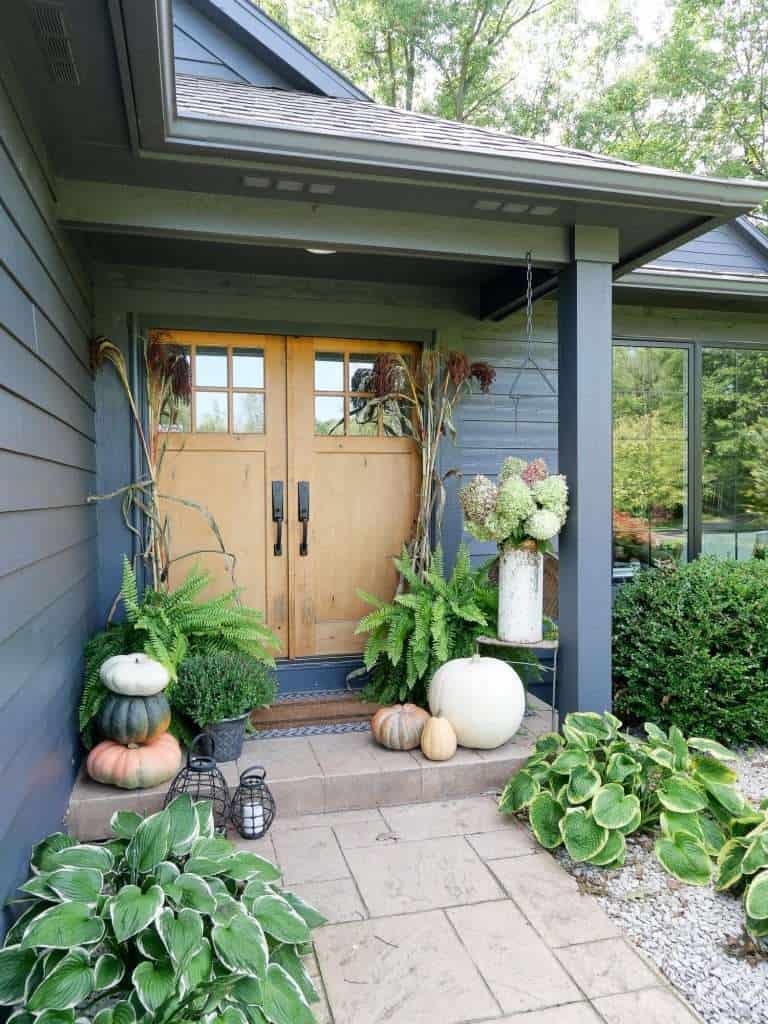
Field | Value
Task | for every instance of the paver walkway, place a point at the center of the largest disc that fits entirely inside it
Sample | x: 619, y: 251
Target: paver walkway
x: 448, y: 913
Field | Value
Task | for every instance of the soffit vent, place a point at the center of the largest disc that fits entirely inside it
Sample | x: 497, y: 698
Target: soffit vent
x: 55, y: 42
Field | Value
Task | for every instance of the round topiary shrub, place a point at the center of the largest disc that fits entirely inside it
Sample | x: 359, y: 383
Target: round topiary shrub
x: 690, y: 648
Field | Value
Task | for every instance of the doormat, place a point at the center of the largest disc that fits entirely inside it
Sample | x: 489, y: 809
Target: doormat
x: 299, y: 695
x: 309, y: 730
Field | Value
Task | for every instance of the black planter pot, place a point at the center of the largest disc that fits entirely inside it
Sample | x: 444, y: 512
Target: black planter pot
x: 227, y: 736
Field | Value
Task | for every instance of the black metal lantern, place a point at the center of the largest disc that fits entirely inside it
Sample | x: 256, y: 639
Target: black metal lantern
x: 201, y: 778
x: 253, y: 806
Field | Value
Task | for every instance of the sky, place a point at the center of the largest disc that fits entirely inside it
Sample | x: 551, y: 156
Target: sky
x: 649, y: 14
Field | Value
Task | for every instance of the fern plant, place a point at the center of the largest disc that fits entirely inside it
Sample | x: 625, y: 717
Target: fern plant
x: 169, y: 625
x: 433, y: 620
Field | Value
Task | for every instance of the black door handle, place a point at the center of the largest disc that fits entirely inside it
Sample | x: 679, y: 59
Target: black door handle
x: 278, y: 513
x: 304, y: 516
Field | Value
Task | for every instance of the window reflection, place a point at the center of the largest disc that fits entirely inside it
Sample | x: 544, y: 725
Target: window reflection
x: 734, y: 443
x: 650, y: 460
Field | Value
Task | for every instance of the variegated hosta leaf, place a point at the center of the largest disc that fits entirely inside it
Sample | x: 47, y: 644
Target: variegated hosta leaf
x: 109, y: 970
x: 582, y: 836
x: 582, y: 785
x: 728, y: 797
x: 154, y: 982
x: 241, y: 946
x: 591, y: 724
x: 149, y: 844
x: 685, y: 858
x: 518, y: 792
x: 197, y: 969
x: 120, y: 1013
x: 183, y: 827
x: 707, y: 769
x: 654, y: 733
x: 84, y: 855
x: 68, y: 984
x: 679, y: 748
x: 729, y: 860
x: 16, y: 965
x: 545, y: 814
x: 756, y: 856
x: 673, y: 822
x: 622, y: 766
x: 131, y: 910
x: 124, y: 823
x: 539, y: 769
x: 746, y: 824
x: 549, y: 743
x: 44, y: 851
x: 192, y: 891
x: 206, y: 825
x: 709, y: 746
x: 284, y: 1002
x: 565, y: 762
x: 280, y: 920
x: 714, y: 837
x: 679, y: 794
x: 613, y: 853
x: 757, y: 929
x: 243, y: 866
x: 83, y: 884
x: 612, y: 808
x: 756, y: 897
x: 63, y: 926
x: 312, y: 917
x: 181, y: 935
x: 292, y: 963
x: 661, y: 756
x: 633, y: 825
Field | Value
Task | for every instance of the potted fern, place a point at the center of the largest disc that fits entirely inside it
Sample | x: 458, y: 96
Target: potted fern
x: 217, y: 692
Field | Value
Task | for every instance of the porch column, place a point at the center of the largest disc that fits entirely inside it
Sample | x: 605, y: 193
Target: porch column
x: 585, y: 457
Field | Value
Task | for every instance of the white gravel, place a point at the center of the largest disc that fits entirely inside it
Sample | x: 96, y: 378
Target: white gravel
x: 693, y: 934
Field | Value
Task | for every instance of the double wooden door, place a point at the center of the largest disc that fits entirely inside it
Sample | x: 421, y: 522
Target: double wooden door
x: 313, y: 491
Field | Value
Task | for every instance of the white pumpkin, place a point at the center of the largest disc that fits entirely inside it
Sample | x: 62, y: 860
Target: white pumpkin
x: 134, y: 675
x: 482, y: 698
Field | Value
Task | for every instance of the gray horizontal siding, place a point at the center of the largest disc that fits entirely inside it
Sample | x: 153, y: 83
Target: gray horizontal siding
x: 47, y: 470
x: 723, y: 250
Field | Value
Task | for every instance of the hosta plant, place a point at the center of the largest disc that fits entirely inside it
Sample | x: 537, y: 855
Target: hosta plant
x: 167, y: 923
x: 591, y: 787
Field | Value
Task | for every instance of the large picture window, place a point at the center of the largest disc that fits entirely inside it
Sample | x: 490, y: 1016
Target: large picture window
x: 690, y: 437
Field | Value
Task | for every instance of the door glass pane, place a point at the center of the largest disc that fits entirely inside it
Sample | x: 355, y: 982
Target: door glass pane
x: 179, y: 423
x: 650, y: 457
x: 210, y: 412
x: 211, y: 368
x: 361, y: 372
x: 734, y: 445
x: 329, y: 415
x: 247, y: 413
x: 247, y: 368
x: 329, y: 371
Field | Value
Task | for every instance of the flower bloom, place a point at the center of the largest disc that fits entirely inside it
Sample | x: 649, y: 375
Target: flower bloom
x: 543, y: 525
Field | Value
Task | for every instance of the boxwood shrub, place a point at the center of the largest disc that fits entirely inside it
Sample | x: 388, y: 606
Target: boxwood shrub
x: 690, y: 648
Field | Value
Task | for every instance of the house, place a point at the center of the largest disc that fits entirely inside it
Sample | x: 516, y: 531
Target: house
x: 189, y: 166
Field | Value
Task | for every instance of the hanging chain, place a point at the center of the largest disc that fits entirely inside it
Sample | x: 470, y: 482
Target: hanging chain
x: 529, y: 301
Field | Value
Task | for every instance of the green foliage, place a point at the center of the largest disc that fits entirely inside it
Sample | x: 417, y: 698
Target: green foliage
x: 211, y: 687
x: 432, y: 621
x: 165, y: 924
x: 690, y: 649
x: 168, y: 626
x: 594, y: 785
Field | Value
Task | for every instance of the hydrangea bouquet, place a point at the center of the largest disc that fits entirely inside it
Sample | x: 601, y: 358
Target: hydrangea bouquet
x: 526, y: 509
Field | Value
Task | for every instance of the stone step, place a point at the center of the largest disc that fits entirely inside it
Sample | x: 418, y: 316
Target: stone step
x: 331, y: 772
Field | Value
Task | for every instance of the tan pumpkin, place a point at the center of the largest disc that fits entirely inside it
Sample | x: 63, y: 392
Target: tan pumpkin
x: 133, y: 766
x: 399, y: 726
x: 438, y: 740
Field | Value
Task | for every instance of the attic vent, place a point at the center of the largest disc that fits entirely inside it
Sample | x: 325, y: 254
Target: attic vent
x: 55, y: 42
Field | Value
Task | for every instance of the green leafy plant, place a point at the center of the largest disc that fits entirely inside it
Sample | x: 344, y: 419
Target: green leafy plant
x: 167, y: 923
x: 433, y: 620
x: 168, y: 626
x: 591, y: 787
x: 212, y: 687
x: 690, y: 649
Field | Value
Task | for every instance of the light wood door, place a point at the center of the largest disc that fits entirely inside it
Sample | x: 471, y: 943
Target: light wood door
x: 232, y: 447
x: 289, y: 411
x: 362, y: 484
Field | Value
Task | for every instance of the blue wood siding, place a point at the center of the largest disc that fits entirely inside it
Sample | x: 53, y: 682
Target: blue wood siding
x: 727, y: 249
x: 47, y: 468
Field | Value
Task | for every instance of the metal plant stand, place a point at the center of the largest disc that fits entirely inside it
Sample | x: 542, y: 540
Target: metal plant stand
x: 541, y: 645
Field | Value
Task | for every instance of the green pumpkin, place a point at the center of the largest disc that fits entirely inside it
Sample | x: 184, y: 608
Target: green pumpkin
x: 133, y: 719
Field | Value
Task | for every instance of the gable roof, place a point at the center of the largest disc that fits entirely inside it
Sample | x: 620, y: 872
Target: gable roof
x: 216, y: 100
x: 735, y: 248
x: 253, y: 29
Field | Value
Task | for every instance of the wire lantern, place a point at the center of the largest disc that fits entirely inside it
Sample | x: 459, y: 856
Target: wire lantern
x: 201, y: 778
x: 253, y: 807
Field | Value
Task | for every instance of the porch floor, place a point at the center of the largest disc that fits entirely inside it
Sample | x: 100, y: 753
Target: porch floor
x: 448, y: 912
x: 323, y: 773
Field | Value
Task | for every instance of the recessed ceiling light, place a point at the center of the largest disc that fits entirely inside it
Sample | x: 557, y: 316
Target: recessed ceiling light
x: 542, y: 211
x: 251, y: 181
x: 321, y: 189
x: 487, y: 205
x: 322, y: 252
x: 515, y: 207
x: 286, y: 185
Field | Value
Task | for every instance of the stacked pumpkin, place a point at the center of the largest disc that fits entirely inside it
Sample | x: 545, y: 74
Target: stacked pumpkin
x: 136, y: 751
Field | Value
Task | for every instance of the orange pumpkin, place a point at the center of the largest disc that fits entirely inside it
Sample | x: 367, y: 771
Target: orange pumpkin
x: 399, y: 727
x: 133, y: 766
